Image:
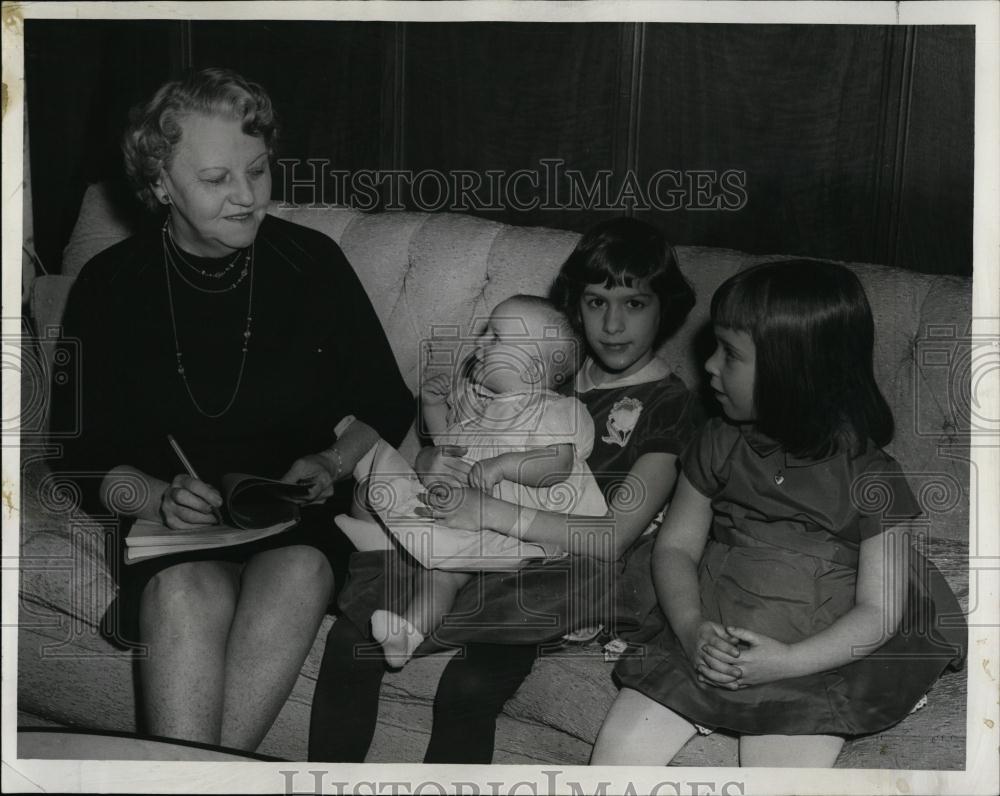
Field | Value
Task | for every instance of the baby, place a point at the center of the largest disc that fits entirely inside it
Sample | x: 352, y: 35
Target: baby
x: 527, y: 445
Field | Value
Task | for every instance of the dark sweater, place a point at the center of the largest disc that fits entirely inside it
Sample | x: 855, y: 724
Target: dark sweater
x: 317, y: 353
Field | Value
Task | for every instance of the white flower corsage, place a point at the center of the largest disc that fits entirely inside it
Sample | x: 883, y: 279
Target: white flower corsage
x: 621, y: 421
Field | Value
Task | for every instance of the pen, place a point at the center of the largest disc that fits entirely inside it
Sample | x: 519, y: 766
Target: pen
x: 185, y: 462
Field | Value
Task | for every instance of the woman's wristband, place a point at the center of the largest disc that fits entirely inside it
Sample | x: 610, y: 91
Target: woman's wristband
x: 333, y: 456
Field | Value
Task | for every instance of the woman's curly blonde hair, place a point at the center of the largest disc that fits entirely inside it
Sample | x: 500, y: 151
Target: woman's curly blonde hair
x: 154, y: 127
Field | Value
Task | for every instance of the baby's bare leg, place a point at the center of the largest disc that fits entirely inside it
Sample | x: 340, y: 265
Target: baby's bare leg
x: 434, y: 596
x: 400, y: 636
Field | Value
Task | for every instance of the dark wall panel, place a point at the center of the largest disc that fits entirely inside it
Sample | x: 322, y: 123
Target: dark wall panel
x: 794, y: 109
x: 81, y: 79
x: 505, y: 96
x: 934, y: 232
x: 846, y: 142
x: 325, y: 80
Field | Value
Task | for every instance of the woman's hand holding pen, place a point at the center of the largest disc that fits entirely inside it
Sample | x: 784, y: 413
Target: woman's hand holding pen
x: 188, y: 502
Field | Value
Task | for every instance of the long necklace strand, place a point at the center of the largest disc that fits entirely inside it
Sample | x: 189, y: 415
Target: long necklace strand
x: 246, y: 339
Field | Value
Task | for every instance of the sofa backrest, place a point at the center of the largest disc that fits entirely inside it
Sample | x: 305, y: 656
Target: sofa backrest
x: 426, y: 270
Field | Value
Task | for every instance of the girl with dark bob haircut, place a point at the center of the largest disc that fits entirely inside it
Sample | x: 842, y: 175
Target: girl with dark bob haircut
x: 620, y: 252
x: 154, y: 127
x: 814, y: 335
x: 797, y: 612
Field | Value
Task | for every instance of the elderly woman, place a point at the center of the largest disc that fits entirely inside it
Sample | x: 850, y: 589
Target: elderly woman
x: 250, y: 340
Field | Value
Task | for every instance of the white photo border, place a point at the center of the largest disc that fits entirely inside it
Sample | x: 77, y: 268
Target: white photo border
x: 983, y: 666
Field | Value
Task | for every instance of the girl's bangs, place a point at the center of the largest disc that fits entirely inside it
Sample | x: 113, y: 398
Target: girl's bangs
x: 612, y: 272
x: 740, y: 307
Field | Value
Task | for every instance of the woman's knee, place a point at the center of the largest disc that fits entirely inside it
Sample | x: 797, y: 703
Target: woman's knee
x: 188, y: 593
x: 297, y: 567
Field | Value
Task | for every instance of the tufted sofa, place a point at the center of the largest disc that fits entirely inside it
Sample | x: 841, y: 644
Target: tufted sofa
x: 426, y: 269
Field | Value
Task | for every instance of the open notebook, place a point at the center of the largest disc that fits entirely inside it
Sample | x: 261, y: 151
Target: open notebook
x: 252, y: 508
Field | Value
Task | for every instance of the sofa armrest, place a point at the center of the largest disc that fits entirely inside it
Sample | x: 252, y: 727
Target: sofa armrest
x: 47, y: 303
x: 63, y: 566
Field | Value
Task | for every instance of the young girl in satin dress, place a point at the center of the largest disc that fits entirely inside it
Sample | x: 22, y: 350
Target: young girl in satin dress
x: 623, y: 291
x: 797, y: 611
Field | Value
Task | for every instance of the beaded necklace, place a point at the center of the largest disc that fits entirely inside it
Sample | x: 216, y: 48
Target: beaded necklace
x: 173, y: 254
x: 168, y: 261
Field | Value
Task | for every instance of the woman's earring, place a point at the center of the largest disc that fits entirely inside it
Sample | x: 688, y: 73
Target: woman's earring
x: 164, y: 200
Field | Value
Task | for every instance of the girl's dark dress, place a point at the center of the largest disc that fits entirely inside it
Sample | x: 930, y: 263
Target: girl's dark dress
x: 782, y: 560
x: 316, y: 354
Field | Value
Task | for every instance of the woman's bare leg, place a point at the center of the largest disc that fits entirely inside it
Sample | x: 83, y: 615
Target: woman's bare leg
x: 185, y: 614
x: 790, y: 751
x: 283, y: 596
x: 639, y: 731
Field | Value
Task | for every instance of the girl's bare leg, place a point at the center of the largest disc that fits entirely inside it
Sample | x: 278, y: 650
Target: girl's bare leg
x: 790, y: 751
x: 639, y: 731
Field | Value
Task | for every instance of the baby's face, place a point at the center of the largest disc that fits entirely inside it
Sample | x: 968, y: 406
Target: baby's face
x: 509, y: 352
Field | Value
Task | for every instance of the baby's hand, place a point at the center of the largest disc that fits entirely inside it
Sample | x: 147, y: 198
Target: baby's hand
x: 714, y: 652
x: 442, y: 464
x: 486, y: 474
x: 434, y: 390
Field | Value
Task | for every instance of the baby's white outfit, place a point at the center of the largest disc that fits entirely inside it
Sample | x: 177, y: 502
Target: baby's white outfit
x: 488, y: 426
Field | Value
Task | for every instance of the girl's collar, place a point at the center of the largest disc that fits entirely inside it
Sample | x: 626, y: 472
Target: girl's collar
x: 764, y: 446
x: 654, y: 370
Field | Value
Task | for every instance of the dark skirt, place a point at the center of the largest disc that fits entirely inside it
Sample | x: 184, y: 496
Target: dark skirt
x: 864, y: 696
x: 120, y: 624
x: 537, y: 604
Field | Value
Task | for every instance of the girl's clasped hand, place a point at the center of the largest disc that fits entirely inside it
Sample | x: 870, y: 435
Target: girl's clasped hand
x: 735, y: 657
x: 715, y: 655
